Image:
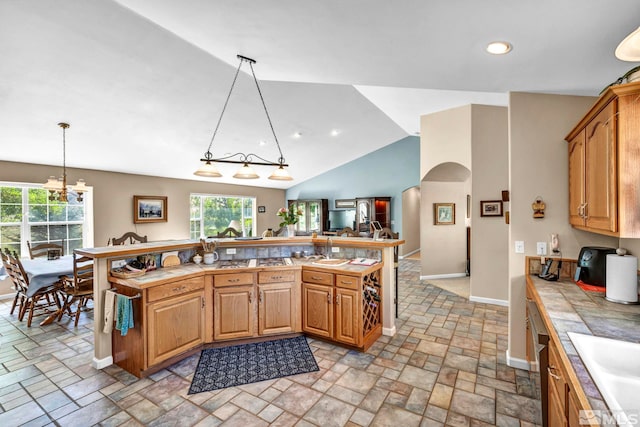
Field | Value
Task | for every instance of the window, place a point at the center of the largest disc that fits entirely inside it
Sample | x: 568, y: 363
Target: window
x: 212, y: 214
x: 314, y: 213
x: 27, y: 214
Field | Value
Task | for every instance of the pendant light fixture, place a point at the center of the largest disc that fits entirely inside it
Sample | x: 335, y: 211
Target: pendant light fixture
x: 209, y: 169
x: 57, y: 187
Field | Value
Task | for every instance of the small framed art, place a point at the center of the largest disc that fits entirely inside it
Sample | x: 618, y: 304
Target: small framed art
x: 444, y: 213
x: 149, y: 209
x: 491, y: 208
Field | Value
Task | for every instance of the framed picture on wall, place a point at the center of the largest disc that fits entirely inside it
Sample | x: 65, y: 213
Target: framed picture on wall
x: 262, y: 209
x: 444, y: 213
x: 149, y: 209
x: 491, y: 208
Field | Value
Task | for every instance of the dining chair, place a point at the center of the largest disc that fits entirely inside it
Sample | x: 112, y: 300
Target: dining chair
x: 132, y: 237
x: 42, y: 249
x: 36, y: 302
x: 20, y: 293
x: 229, y: 232
x: 77, y: 288
x: 279, y: 232
x: 348, y: 232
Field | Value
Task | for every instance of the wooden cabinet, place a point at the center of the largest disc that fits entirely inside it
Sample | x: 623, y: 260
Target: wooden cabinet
x: 604, y: 165
x: 169, y: 322
x: 317, y: 309
x: 343, y: 308
x: 233, y: 312
x: 247, y: 306
x: 372, y: 209
x: 175, y: 325
x: 564, y: 406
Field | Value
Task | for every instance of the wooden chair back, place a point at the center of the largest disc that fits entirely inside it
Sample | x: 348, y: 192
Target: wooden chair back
x: 16, y: 272
x: 42, y: 249
x: 279, y: 232
x: 387, y: 233
x: 82, y: 273
x: 347, y: 231
x: 132, y: 237
x: 229, y: 232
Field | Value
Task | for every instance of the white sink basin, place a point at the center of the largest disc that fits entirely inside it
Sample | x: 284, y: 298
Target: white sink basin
x: 614, y: 366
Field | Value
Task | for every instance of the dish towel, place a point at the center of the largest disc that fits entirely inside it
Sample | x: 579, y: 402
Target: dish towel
x: 124, y: 314
x: 109, y: 310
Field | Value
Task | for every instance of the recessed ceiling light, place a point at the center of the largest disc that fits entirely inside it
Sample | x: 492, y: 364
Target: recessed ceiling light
x: 335, y: 132
x: 499, y: 48
x: 297, y: 135
x: 262, y: 143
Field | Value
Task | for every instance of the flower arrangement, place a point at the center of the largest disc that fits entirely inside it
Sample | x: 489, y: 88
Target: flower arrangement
x: 289, y: 216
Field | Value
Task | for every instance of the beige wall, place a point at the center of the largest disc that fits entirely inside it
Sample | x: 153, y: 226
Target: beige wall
x: 410, y: 220
x: 490, y: 175
x: 445, y: 137
x: 538, y: 162
x: 113, y: 199
x: 443, y: 248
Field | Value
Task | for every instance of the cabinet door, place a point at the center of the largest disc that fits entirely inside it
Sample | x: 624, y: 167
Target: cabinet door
x: 233, y: 312
x: 601, y: 171
x: 317, y: 309
x: 175, y: 325
x: 347, y: 315
x: 576, y: 180
x: 275, y: 309
x: 573, y: 410
x: 363, y: 214
x: 556, y: 416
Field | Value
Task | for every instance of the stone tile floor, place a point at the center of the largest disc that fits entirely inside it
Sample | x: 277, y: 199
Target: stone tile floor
x: 445, y: 366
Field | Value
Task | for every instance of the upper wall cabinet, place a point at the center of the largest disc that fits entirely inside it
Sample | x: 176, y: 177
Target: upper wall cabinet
x: 604, y: 165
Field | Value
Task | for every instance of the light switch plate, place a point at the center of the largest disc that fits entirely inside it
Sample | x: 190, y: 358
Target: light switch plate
x: 335, y: 250
x: 231, y: 251
x: 519, y: 246
x: 541, y: 248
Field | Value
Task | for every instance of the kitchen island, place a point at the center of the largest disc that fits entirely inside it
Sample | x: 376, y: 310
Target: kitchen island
x: 201, y: 281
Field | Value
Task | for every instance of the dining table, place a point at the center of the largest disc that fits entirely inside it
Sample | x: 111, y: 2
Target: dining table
x: 43, y: 272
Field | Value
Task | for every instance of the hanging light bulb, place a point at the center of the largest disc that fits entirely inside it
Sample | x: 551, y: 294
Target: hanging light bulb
x: 57, y: 187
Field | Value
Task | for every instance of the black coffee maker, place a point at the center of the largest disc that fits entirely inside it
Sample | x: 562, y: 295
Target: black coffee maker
x: 592, y: 265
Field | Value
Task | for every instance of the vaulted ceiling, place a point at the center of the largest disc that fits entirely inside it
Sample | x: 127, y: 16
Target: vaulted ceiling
x: 142, y: 82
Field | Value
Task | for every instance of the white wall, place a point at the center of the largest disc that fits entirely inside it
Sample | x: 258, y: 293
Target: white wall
x: 490, y: 175
x: 410, y: 220
x: 443, y: 248
x: 445, y: 137
x: 538, y: 166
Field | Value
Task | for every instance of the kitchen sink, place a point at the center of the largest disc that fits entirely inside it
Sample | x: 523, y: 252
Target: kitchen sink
x: 615, y: 368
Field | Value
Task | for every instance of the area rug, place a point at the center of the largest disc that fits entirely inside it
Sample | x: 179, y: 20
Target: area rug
x: 249, y: 363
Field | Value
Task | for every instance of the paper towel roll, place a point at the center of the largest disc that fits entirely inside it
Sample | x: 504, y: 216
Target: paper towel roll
x: 622, y: 279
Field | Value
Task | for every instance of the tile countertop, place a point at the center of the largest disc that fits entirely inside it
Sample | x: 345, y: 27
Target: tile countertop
x: 571, y: 309
x: 183, y: 271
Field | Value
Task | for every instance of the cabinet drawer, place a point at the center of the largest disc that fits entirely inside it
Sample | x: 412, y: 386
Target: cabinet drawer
x: 175, y: 288
x: 319, y: 277
x: 233, y: 279
x: 278, y: 276
x: 349, y: 282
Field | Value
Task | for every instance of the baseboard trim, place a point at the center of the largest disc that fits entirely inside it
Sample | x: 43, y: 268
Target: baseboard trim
x: 493, y: 301
x: 102, y: 363
x: 443, y: 276
x: 408, y: 254
x: 516, y: 362
x: 389, y: 331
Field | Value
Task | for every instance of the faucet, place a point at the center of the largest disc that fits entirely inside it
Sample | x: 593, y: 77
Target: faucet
x: 328, y: 248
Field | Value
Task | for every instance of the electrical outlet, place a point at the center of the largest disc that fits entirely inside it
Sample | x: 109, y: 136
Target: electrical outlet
x: 519, y: 246
x: 335, y: 250
x: 541, y: 248
x: 231, y: 251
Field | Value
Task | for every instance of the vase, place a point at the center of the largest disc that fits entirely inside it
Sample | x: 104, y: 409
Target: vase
x: 291, y: 230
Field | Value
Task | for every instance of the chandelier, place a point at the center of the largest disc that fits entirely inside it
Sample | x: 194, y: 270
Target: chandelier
x: 58, y: 186
x: 209, y: 169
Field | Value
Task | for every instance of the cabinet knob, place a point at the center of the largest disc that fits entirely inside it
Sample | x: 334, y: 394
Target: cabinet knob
x: 337, y: 299
x: 329, y: 298
x: 550, y: 370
